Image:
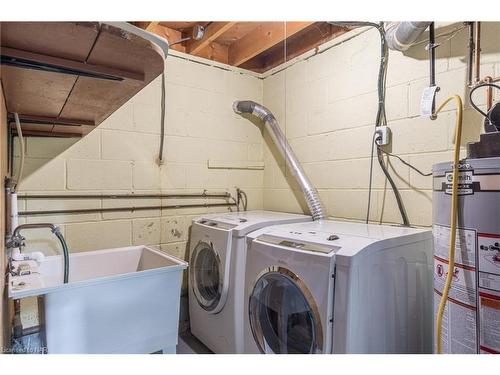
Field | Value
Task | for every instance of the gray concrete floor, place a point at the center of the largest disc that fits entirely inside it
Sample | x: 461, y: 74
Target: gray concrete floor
x: 188, y: 344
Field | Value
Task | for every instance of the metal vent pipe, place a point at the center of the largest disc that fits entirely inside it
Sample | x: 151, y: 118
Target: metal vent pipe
x: 313, y: 200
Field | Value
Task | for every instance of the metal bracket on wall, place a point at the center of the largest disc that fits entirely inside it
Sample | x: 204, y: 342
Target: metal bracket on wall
x: 432, y: 66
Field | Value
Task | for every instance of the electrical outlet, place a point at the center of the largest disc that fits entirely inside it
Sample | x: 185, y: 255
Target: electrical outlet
x: 383, y: 135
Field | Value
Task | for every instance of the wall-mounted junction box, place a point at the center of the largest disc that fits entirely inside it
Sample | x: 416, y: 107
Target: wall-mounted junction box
x: 383, y: 135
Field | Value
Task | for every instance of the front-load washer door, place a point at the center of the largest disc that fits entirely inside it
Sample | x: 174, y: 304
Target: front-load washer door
x: 206, y: 276
x: 284, y: 317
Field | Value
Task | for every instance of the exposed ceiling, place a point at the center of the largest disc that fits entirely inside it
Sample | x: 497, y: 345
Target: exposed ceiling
x: 65, y: 78
x: 257, y: 46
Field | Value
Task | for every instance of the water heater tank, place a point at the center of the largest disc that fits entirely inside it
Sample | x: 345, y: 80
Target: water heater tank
x: 471, y: 320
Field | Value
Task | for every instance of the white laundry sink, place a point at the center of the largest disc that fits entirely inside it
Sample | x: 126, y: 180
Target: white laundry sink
x: 123, y: 300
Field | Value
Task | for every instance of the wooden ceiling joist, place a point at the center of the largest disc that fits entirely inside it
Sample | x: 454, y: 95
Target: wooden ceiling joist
x: 151, y: 25
x: 167, y: 33
x: 212, y: 32
x: 267, y: 34
x: 257, y: 46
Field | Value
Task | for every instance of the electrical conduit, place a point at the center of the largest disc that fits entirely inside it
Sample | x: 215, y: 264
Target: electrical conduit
x: 22, y: 152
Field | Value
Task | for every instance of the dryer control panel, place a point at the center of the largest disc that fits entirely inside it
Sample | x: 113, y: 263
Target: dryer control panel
x: 300, y: 245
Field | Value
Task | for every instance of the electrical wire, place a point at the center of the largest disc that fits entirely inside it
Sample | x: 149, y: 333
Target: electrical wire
x: 381, y: 119
x: 395, y: 190
x: 245, y: 201
x: 370, y: 180
x: 405, y: 162
x: 242, y: 197
x: 453, y: 216
x: 162, y: 128
x: 486, y: 115
x: 22, y: 151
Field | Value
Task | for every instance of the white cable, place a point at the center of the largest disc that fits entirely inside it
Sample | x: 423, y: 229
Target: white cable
x: 21, y: 142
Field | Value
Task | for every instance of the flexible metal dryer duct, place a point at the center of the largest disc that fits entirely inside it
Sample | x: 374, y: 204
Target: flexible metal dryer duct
x: 401, y: 35
x: 313, y: 200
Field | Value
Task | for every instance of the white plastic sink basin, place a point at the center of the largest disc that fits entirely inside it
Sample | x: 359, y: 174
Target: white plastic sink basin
x: 123, y: 300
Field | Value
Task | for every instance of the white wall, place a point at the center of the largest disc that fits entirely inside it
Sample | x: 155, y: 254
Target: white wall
x: 120, y: 156
x: 327, y: 105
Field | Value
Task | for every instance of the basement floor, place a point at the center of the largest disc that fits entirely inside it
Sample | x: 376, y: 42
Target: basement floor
x: 188, y: 344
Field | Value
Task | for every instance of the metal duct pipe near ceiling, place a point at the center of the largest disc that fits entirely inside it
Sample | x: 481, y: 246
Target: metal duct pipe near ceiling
x: 401, y: 35
x: 313, y: 200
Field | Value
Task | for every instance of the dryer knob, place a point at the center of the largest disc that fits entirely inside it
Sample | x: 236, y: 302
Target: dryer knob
x: 333, y: 237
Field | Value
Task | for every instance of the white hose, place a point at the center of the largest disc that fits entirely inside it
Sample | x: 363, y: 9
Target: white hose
x: 21, y: 142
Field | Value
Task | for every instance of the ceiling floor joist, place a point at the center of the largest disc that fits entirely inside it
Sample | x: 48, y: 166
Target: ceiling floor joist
x: 256, y: 46
x: 265, y: 36
x: 212, y: 32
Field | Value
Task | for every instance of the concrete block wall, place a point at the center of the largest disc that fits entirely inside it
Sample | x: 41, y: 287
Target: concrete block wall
x: 120, y: 156
x: 326, y: 105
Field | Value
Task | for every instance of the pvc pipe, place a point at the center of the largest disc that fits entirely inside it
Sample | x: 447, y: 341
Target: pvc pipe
x: 401, y: 35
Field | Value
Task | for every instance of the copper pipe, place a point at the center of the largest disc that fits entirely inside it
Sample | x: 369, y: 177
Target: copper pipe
x: 489, y: 93
x: 477, y: 51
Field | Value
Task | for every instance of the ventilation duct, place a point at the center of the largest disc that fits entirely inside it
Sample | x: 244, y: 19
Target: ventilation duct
x: 313, y: 200
x: 401, y: 35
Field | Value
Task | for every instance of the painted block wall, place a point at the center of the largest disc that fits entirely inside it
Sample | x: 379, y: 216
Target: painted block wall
x: 327, y: 104
x: 120, y: 156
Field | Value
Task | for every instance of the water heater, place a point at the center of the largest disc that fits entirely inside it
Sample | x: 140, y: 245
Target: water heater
x: 471, y: 319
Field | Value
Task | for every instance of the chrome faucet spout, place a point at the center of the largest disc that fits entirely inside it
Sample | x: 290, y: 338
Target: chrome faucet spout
x: 16, y: 240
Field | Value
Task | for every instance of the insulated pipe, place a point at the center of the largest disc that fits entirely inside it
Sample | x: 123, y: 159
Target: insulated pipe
x: 401, y: 35
x: 313, y: 200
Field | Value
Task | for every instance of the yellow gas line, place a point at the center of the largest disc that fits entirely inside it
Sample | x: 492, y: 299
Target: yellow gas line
x: 453, y: 218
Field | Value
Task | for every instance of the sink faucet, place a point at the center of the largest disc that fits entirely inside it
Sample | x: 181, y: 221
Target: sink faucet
x: 17, y: 241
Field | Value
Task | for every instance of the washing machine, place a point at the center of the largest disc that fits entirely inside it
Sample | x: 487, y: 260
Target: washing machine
x: 217, y: 274
x: 338, y: 287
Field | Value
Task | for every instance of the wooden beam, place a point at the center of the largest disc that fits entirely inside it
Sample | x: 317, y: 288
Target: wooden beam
x: 215, y: 52
x: 265, y: 36
x: 71, y: 64
x: 303, y: 41
x: 169, y: 34
x: 151, y: 25
x: 212, y: 32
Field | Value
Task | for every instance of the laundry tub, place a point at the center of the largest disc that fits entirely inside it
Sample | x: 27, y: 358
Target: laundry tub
x: 123, y: 300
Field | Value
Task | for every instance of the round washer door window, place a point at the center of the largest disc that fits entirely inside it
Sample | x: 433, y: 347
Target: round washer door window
x: 283, y: 315
x: 206, y: 276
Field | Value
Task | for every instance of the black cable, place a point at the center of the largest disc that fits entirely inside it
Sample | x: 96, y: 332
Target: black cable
x: 405, y: 162
x: 370, y: 181
x: 486, y: 115
x: 245, y: 201
x: 401, y: 207
x: 381, y: 119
